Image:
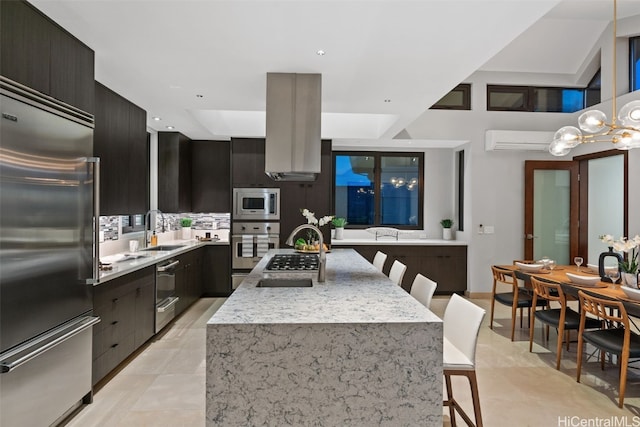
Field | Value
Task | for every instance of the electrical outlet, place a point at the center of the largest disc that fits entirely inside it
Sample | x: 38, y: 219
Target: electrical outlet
x: 488, y: 229
x: 480, y: 229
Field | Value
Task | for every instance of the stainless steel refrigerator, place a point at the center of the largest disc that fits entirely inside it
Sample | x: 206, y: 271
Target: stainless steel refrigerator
x: 48, y: 256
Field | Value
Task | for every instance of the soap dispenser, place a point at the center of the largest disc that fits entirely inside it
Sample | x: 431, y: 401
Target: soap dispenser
x: 154, y: 239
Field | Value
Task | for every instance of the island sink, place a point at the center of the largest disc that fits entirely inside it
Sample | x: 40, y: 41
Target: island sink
x: 285, y: 283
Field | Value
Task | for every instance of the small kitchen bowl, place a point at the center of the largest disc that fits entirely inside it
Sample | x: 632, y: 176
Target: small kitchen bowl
x: 529, y: 268
x: 631, y: 293
x: 583, y: 280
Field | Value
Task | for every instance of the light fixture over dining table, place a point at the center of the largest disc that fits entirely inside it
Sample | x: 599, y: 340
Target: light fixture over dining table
x: 624, y: 132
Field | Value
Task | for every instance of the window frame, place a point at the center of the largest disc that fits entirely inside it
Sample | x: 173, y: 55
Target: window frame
x: 377, y: 169
x: 465, y: 89
x: 634, y: 56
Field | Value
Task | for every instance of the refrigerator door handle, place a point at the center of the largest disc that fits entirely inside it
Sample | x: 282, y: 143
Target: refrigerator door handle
x: 8, y: 363
x: 96, y: 220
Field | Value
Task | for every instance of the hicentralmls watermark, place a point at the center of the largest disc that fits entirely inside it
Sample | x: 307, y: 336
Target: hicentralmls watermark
x: 614, y: 421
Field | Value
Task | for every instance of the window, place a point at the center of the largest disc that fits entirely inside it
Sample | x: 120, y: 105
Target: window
x: 379, y: 189
x: 634, y: 61
x: 543, y: 99
x: 458, y: 99
x: 132, y: 223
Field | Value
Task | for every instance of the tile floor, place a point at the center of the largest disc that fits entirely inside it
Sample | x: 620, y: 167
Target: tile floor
x: 164, y: 385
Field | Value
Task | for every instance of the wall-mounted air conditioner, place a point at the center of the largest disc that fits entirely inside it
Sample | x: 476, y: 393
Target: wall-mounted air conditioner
x: 517, y: 140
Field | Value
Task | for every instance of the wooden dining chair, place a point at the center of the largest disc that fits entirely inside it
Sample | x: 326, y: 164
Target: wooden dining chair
x: 516, y: 298
x: 422, y: 289
x: 563, y: 318
x: 461, y: 323
x: 379, y: 260
x: 618, y: 339
x: 397, y: 272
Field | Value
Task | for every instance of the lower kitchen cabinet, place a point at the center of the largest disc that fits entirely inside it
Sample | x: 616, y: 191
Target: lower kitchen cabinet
x: 446, y: 265
x: 126, y: 307
x: 188, y: 279
x: 216, y: 271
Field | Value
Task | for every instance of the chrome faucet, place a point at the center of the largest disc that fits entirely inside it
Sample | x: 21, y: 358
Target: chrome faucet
x: 145, y: 242
x: 322, y: 257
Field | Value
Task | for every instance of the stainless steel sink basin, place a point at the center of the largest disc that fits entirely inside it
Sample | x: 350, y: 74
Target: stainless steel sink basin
x: 163, y: 248
x: 285, y: 283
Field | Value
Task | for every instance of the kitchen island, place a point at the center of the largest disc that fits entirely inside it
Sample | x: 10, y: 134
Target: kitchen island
x: 353, y: 350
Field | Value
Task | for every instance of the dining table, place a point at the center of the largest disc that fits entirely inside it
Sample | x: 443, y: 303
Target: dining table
x: 600, y: 289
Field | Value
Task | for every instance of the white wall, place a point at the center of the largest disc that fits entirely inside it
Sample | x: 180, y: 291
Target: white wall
x: 495, y: 180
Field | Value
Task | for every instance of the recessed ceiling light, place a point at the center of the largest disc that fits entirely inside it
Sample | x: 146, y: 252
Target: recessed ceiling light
x: 170, y: 127
x: 157, y: 119
x: 387, y: 100
x: 320, y: 52
x: 199, y: 96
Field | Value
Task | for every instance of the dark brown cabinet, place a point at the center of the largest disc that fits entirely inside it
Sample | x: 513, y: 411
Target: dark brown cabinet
x: 38, y: 53
x: 446, y: 265
x: 126, y: 307
x: 189, y: 279
x: 210, y: 176
x: 248, y: 163
x: 315, y: 196
x: 216, y: 271
x: 120, y: 140
x: 174, y: 172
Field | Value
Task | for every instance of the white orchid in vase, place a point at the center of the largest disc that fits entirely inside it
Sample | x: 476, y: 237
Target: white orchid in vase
x: 628, y: 246
x: 311, y: 219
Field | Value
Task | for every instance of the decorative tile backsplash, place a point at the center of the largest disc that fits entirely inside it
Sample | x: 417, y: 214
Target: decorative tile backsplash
x: 111, y: 226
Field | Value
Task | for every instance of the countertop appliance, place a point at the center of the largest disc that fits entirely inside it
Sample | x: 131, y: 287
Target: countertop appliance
x: 48, y: 256
x: 293, y: 262
x: 261, y: 204
x: 166, y: 298
x: 250, y: 241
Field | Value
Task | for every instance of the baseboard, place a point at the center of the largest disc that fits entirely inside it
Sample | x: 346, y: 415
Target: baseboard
x: 478, y: 295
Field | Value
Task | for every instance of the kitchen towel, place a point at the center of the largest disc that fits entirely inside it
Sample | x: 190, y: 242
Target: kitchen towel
x: 262, y: 246
x: 247, y: 246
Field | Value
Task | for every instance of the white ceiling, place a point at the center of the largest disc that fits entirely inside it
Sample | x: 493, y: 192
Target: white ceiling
x: 162, y: 54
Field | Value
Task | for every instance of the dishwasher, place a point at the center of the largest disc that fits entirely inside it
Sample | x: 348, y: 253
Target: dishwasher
x: 166, y: 297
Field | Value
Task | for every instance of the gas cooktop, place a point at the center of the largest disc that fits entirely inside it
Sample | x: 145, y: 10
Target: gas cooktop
x: 293, y: 262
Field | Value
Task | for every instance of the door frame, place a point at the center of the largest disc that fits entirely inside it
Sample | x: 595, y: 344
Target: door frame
x: 574, y: 207
x: 583, y: 235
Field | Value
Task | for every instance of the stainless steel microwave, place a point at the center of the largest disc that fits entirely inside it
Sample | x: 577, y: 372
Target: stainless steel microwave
x: 256, y: 204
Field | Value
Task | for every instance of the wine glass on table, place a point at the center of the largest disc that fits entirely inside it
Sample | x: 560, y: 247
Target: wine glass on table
x: 578, y: 261
x: 551, y: 265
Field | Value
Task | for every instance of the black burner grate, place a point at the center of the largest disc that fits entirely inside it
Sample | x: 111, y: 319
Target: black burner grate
x: 293, y: 262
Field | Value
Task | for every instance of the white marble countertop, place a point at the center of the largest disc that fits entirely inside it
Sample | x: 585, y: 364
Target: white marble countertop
x: 125, y: 265
x: 393, y: 241
x: 354, y: 292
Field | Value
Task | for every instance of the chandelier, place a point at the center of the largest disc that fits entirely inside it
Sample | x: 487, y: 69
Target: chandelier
x: 400, y: 182
x: 624, y: 132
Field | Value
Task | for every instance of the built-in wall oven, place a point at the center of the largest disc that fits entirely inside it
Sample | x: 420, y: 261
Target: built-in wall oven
x: 256, y: 204
x: 166, y: 298
x: 250, y: 241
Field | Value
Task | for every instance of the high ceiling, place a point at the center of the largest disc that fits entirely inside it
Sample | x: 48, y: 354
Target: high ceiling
x: 201, y: 65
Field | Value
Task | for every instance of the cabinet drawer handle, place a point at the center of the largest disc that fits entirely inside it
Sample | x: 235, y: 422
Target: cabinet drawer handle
x: 114, y: 322
x: 114, y: 345
x: 115, y: 300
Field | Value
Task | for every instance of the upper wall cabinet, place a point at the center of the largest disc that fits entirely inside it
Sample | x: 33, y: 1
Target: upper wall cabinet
x: 210, y: 176
x: 120, y: 140
x: 248, y: 163
x: 174, y: 172
x: 38, y: 53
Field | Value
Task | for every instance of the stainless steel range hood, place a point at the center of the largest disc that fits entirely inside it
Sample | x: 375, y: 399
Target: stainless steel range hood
x: 292, y: 149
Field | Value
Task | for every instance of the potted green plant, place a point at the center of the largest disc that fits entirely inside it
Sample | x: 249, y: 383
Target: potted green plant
x: 339, y: 223
x: 185, y: 223
x: 446, y: 228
